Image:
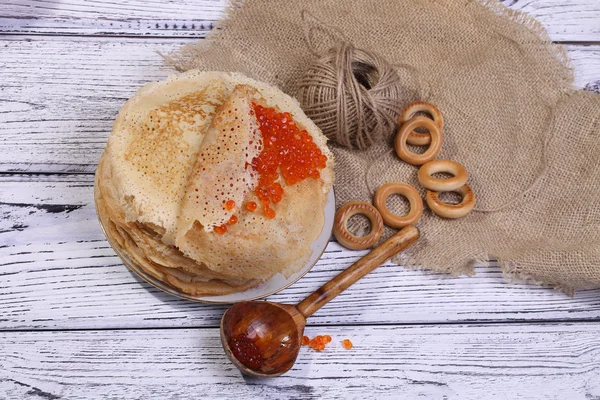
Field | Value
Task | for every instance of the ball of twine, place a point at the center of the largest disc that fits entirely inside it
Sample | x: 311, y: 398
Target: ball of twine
x: 353, y: 95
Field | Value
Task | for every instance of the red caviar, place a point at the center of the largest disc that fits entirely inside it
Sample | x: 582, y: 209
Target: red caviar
x: 318, y: 343
x: 233, y: 220
x: 347, y: 344
x: 246, y: 351
x: 251, y: 206
x: 229, y: 205
x: 221, y: 229
x: 287, y: 150
x: 269, y: 213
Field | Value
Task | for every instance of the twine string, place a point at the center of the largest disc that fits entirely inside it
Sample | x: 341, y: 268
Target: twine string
x: 353, y: 95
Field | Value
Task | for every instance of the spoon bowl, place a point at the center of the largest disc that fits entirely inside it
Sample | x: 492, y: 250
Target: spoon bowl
x: 261, y: 338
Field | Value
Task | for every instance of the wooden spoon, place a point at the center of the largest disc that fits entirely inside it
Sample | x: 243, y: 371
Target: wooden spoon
x: 263, y: 339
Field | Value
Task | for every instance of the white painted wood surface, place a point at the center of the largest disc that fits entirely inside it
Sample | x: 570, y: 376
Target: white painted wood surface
x: 58, y: 272
x: 573, y: 20
x: 75, y: 324
x: 175, y: 18
x: 462, y: 362
x: 59, y: 96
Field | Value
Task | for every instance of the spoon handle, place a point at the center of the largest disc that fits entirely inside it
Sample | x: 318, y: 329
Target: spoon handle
x: 362, y: 267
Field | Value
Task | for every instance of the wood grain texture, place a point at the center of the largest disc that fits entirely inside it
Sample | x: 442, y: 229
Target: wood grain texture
x: 66, y: 93
x: 58, y: 272
x: 59, y: 96
x: 574, y: 20
x: 550, y: 361
x: 175, y: 18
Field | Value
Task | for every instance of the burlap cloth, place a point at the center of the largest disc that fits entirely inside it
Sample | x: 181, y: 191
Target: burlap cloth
x: 530, y: 142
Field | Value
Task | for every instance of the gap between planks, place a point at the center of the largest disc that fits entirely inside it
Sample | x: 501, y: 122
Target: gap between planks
x: 50, y: 36
x: 516, y: 322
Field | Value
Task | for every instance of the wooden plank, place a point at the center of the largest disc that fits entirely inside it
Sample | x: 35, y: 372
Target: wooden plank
x: 58, y: 97
x: 550, y: 361
x: 58, y: 272
x: 576, y: 20
x: 176, y: 18
x: 65, y: 93
x: 586, y: 63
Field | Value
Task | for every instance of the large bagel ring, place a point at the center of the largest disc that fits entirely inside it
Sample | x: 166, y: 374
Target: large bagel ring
x: 393, y: 220
x: 402, y: 136
x: 442, y: 185
x: 415, y: 138
x: 452, y: 210
x: 350, y: 241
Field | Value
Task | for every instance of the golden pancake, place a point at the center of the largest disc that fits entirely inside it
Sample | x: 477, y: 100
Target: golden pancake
x: 181, y: 160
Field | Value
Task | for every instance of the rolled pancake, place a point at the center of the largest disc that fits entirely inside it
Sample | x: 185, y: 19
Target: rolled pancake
x: 222, y: 171
x: 154, y: 143
x: 181, y: 148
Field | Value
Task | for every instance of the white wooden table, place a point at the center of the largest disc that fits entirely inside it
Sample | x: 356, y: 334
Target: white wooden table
x: 74, y: 323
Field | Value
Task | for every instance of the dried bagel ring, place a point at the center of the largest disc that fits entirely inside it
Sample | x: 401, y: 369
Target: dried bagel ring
x: 415, y: 138
x: 402, y: 136
x: 452, y: 211
x: 350, y: 241
x: 411, y: 194
x: 442, y: 185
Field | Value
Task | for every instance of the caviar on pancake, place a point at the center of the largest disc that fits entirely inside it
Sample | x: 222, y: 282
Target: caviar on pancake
x: 221, y: 229
x: 229, y: 205
x: 251, y: 206
x: 287, y: 151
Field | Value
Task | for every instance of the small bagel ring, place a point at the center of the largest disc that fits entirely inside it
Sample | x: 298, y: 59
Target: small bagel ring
x: 442, y: 185
x: 393, y: 220
x: 402, y: 135
x: 350, y: 241
x: 452, y: 211
x: 415, y: 138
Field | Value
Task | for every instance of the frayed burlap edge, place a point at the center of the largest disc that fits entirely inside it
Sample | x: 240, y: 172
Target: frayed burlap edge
x: 179, y: 60
x: 511, y: 271
x: 536, y: 29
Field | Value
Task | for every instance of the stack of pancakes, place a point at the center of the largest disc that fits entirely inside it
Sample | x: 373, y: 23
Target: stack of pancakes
x: 179, y: 149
